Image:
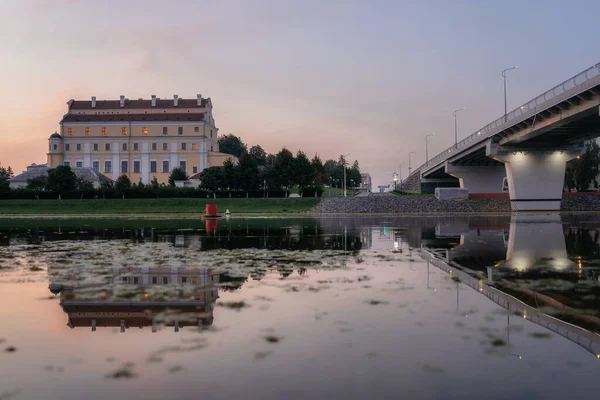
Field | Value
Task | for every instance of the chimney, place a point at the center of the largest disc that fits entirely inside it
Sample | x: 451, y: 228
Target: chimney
x: 122, y: 101
x: 199, y: 100
x: 153, y: 100
x: 175, y: 100
x: 93, y: 101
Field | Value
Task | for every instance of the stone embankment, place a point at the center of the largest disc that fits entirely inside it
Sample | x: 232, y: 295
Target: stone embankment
x: 429, y: 204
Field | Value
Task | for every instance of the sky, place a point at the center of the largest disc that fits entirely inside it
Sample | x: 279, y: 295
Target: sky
x: 329, y: 77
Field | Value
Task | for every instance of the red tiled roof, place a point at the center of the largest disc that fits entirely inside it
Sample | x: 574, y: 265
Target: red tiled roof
x: 196, y: 176
x: 134, y: 104
x: 133, y: 117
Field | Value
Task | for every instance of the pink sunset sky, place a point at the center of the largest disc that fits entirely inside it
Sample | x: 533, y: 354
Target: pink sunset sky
x: 328, y: 77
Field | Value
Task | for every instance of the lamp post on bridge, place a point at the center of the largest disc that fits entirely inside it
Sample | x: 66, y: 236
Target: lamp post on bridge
x: 409, y: 167
x: 504, y: 76
x: 456, y: 126
x: 344, y: 156
x: 427, y: 147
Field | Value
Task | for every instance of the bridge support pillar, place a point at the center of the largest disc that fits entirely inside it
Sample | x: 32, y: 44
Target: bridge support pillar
x: 479, y: 179
x: 535, y: 177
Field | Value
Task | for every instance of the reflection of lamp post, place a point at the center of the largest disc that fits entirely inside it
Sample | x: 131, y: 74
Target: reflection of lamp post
x: 504, y: 76
x: 508, y: 337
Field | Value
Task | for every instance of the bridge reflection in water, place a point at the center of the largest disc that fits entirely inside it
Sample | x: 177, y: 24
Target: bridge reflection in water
x: 525, y: 267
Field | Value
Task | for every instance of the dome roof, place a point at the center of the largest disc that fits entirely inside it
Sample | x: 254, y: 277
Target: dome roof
x: 55, y: 135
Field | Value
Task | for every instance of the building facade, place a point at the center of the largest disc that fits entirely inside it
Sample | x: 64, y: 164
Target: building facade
x: 140, y: 138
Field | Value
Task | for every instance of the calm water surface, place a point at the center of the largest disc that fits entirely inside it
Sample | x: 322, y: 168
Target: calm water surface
x: 354, y: 307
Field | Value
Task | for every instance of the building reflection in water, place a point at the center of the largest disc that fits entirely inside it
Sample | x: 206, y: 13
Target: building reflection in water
x: 141, y: 297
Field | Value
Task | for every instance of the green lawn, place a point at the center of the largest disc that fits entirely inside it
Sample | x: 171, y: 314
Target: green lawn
x: 153, y: 206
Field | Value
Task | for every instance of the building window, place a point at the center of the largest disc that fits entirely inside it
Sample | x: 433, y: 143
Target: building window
x: 67, y: 147
x: 183, y: 146
x: 67, y: 163
x: 78, y: 146
x: 107, y: 146
x: 195, y: 170
x: 107, y: 167
x: 165, y: 280
x: 70, y: 131
x: 124, y: 165
x: 136, y: 280
x: 87, y: 131
x: 154, y: 280
x: 182, y: 165
x: 165, y: 146
x: 211, y: 148
x: 194, y: 146
x: 144, y: 130
x: 184, y: 279
x: 154, y: 146
x: 125, y: 279
x: 153, y: 167
x: 196, y: 129
x: 78, y: 164
x: 95, y: 146
x: 103, y: 131
x: 136, y: 146
x: 180, y: 130
x: 165, y: 167
x: 136, y: 167
x: 96, y: 166
x: 165, y: 130
x: 124, y: 146
x: 211, y: 133
x: 124, y: 131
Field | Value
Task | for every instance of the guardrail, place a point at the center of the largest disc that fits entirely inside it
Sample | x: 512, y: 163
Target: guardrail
x: 569, y: 88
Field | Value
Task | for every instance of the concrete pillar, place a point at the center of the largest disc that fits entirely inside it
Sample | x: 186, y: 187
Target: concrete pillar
x: 535, y: 177
x: 479, y: 179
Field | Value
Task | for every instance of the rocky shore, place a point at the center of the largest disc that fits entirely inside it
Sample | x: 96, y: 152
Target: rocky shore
x: 429, y: 204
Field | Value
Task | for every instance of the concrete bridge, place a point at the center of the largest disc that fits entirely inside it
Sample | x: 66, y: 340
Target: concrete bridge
x: 529, y: 146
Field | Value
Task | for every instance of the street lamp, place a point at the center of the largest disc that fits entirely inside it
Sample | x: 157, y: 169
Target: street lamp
x: 345, y: 155
x: 395, y: 180
x: 456, y: 126
x: 427, y: 147
x: 409, y: 167
x: 504, y: 76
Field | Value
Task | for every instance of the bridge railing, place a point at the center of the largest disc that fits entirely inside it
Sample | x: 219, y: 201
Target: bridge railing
x: 579, y: 83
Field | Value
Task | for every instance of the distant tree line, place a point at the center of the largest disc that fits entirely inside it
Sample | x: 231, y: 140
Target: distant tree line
x: 256, y: 169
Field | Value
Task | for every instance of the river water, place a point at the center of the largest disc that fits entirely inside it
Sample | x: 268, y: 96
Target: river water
x: 346, y: 307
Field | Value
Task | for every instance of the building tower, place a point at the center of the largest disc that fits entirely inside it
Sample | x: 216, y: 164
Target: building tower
x: 56, y: 153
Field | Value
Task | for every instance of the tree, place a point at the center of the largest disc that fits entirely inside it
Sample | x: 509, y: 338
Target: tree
x: 303, y: 171
x: 318, y: 171
x: 229, y: 174
x: 4, y: 177
x: 283, y: 168
x: 247, y: 173
x: 331, y: 168
x: 177, y: 174
x: 6, y: 172
x: 38, y: 183
x: 61, y: 179
x: 258, y: 154
x: 154, y: 182
x: 231, y: 144
x: 81, y: 185
x: 353, y: 175
x: 582, y: 172
x: 122, y: 183
x: 212, y: 178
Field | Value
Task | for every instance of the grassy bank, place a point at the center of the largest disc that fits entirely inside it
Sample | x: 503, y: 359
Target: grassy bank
x: 153, y: 206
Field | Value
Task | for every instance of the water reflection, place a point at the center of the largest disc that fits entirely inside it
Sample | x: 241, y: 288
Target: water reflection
x: 139, y: 297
